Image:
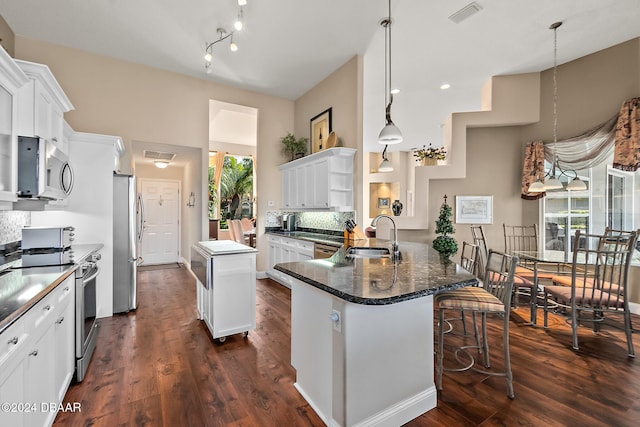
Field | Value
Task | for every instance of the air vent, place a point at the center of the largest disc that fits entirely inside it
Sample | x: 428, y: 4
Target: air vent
x: 158, y: 155
x: 465, y: 12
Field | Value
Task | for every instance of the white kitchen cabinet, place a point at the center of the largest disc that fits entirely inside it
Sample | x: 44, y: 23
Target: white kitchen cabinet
x: 320, y: 182
x: 41, y: 104
x: 12, y: 78
x: 37, y: 359
x: 226, y: 295
x: 284, y: 249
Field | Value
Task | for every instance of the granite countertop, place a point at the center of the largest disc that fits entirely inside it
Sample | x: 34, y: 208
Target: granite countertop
x: 22, y: 288
x: 420, y: 271
x: 327, y: 239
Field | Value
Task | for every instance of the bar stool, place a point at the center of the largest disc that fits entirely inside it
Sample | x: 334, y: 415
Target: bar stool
x: 493, y: 298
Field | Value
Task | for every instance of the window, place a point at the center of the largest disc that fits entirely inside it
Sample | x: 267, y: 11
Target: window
x: 564, y: 213
x: 233, y: 196
x: 619, y: 200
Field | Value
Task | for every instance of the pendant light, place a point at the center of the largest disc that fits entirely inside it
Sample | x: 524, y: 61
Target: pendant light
x: 385, y: 165
x: 551, y: 180
x: 390, y: 134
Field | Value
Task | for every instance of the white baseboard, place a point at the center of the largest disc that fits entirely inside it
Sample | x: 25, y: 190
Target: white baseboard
x: 261, y: 275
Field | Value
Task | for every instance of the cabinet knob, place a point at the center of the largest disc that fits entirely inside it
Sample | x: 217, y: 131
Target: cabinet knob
x: 60, y: 320
x: 33, y: 353
x: 47, y: 307
x: 66, y: 289
x: 13, y: 340
x: 54, y: 139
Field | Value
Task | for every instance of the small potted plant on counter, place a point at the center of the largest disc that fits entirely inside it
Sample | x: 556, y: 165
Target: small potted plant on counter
x: 430, y: 155
x: 296, y: 147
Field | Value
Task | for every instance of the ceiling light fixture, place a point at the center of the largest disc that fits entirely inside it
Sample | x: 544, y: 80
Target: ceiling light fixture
x: 445, y: 86
x: 390, y: 134
x: 385, y: 165
x: 551, y: 180
x: 161, y: 164
x: 223, y: 35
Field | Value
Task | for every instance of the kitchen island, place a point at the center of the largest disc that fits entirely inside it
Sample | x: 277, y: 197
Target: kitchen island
x: 362, y: 332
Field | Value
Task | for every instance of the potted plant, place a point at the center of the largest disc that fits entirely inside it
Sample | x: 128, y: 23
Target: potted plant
x: 444, y: 243
x: 430, y: 155
x: 294, y: 146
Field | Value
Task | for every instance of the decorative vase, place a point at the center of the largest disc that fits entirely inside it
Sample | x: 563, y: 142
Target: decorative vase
x: 428, y: 161
x: 396, y: 207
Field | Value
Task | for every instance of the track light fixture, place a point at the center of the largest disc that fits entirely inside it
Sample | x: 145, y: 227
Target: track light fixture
x: 224, y: 35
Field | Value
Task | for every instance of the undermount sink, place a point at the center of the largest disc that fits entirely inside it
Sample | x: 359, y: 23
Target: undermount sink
x: 368, y: 252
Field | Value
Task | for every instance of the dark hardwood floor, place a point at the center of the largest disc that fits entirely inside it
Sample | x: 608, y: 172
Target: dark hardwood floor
x: 159, y: 366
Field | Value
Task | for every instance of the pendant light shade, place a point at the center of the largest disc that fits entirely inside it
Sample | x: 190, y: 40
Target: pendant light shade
x: 390, y: 134
x: 385, y: 165
x: 536, y: 187
x: 576, y: 184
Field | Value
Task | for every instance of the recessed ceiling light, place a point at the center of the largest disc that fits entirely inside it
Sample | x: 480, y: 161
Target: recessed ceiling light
x: 445, y: 86
x: 394, y: 91
x: 161, y: 164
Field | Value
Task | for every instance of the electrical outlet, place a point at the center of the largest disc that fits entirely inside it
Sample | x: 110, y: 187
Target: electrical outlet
x: 336, y: 319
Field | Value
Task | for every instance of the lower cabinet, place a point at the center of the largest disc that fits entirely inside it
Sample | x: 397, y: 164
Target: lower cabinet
x: 227, y: 305
x: 37, y: 364
x: 284, y: 249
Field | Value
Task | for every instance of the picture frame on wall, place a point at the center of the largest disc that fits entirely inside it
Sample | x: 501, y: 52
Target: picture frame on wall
x: 474, y: 209
x: 321, y: 127
x: 384, y: 202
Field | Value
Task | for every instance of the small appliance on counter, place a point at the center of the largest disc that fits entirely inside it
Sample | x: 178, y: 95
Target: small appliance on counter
x: 288, y: 222
x: 42, y: 238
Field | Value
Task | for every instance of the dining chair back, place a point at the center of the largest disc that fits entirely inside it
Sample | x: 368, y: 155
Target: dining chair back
x: 599, y: 281
x: 477, y: 232
x: 520, y: 238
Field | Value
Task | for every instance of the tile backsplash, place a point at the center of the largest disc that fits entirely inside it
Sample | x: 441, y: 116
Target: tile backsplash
x: 11, y: 223
x: 332, y: 221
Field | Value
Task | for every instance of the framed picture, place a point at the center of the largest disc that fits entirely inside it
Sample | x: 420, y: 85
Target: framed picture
x: 474, y: 209
x: 320, y: 130
x: 384, y: 202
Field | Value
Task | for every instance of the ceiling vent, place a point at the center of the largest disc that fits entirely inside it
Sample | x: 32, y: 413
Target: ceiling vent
x: 465, y: 12
x: 158, y: 155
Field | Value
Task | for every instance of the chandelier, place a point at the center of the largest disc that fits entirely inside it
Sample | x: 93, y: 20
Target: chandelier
x: 551, y: 180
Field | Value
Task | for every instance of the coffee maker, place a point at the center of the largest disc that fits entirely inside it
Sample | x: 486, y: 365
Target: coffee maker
x: 288, y: 222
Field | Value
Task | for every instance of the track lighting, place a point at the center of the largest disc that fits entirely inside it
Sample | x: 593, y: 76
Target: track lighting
x: 238, y: 25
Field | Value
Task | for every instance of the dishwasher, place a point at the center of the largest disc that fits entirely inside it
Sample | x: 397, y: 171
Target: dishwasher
x: 320, y: 250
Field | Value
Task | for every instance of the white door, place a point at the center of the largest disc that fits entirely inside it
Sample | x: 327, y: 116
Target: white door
x: 160, y: 236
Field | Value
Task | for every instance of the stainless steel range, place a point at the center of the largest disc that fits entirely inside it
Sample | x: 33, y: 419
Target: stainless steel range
x: 86, y: 306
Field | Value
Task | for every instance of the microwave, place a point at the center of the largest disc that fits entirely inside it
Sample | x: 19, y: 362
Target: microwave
x: 44, y: 171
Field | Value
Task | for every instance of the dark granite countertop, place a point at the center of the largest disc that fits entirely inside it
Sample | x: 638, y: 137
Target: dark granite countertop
x: 22, y: 288
x: 420, y: 271
x: 315, y: 237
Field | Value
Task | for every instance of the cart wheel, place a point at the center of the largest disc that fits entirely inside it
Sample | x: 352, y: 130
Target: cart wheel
x: 222, y: 339
x: 245, y: 333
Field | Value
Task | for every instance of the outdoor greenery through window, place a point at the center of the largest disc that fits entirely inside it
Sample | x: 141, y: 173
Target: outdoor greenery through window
x: 231, y: 196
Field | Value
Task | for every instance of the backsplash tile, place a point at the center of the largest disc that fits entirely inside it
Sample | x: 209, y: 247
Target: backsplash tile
x: 331, y: 221
x: 11, y: 223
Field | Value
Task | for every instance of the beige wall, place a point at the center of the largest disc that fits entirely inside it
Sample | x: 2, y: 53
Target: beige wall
x: 342, y: 92
x: 7, y: 37
x: 145, y: 104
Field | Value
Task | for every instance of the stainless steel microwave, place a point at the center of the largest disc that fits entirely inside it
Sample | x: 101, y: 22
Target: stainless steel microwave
x: 44, y: 171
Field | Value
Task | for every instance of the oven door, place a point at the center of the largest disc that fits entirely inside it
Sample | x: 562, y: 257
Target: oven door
x: 86, y: 326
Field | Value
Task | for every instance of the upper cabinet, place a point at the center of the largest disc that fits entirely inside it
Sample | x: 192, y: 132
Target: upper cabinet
x: 320, y: 182
x: 41, y: 105
x: 12, y: 78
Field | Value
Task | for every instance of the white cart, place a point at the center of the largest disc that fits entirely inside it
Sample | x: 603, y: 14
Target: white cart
x: 226, y: 288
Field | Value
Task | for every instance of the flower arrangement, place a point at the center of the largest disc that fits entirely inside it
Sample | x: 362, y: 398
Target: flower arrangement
x: 430, y: 152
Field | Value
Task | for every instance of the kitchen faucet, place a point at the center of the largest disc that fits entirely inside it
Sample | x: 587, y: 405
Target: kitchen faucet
x: 396, y: 250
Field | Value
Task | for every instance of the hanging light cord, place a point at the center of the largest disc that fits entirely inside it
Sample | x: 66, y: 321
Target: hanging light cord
x: 555, y: 81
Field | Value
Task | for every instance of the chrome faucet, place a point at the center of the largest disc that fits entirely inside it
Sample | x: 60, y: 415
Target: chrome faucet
x: 396, y: 250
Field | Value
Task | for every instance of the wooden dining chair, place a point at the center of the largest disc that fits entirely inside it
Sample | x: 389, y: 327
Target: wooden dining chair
x: 493, y: 298
x: 599, y: 281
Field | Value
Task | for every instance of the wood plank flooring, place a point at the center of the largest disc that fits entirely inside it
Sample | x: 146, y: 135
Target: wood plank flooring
x: 159, y: 366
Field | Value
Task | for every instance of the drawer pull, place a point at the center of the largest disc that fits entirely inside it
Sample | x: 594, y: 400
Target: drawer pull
x: 66, y: 289
x: 13, y: 341
x: 47, y: 307
x: 33, y: 353
x: 60, y: 320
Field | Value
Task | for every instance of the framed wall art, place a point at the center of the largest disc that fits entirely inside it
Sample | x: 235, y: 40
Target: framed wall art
x: 320, y: 130
x: 474, y: 209
x: 384, y: 202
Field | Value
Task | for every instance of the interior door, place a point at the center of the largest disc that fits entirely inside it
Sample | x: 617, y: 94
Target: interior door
x: 160, y: 232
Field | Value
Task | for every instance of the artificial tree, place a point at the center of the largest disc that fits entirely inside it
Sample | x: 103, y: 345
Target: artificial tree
x: 444, y: 243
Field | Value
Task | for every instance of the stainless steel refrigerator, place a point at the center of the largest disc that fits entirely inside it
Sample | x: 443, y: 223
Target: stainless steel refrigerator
x: 124, y: 243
